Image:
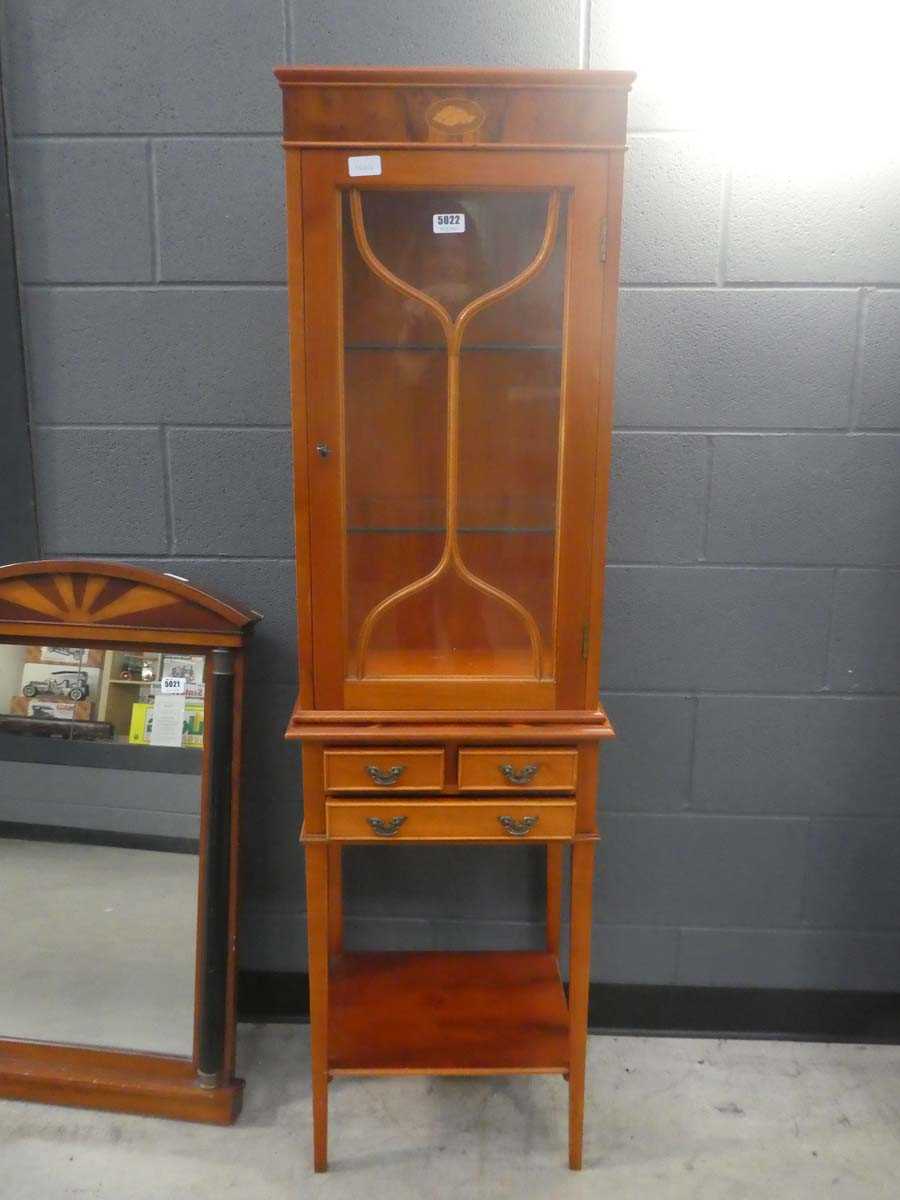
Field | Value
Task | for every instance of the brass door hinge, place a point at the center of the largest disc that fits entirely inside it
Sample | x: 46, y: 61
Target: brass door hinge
x: 603, y: 228
x: 585, y: 640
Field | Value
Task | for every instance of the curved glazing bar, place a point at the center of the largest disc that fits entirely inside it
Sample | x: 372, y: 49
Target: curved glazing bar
x: 451, y: 558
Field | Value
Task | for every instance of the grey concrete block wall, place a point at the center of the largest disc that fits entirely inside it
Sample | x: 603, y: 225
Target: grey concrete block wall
x: 752, y: 654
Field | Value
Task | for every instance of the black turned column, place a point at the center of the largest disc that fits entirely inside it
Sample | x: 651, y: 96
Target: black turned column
x: 216, y: 850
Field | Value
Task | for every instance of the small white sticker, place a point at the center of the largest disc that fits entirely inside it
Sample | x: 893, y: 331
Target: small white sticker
x: 172, y: 685
x: 364, y: 164
x: 449, y: 223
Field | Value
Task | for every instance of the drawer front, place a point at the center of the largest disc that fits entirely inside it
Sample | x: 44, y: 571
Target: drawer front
x: 517, y: 769
x: 470, y: 820
x: 399, y: 770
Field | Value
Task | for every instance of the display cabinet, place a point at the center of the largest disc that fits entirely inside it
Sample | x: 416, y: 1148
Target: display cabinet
x: 453, y: 255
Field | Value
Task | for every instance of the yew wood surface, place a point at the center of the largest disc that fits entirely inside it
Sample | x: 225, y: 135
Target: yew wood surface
x: 463, y: 820
x: 117, y: 1081
x: 480, y: 770
x: 109, y: 595
x: 346, y: 770
x: 456, y: 106
x: 434, y: 1013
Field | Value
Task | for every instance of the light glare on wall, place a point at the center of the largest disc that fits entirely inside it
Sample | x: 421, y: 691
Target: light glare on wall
x: 813, y: 85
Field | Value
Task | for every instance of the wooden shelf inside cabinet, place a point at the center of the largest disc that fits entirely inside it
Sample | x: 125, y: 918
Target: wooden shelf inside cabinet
x: 458, y: 231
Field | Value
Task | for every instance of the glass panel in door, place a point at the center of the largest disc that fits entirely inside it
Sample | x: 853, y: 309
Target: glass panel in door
x: 453, y: 331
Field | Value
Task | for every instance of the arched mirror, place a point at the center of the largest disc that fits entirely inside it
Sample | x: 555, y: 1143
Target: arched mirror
x: 120, y: 721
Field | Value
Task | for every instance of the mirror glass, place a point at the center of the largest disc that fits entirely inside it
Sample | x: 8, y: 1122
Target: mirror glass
x: 100, y: 783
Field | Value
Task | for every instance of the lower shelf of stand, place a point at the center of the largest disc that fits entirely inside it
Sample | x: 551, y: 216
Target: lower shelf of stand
x: 434, y: 1013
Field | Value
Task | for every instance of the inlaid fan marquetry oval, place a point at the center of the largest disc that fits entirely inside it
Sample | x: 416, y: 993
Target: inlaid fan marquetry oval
x: 457, y: 119
x: 88, y: 593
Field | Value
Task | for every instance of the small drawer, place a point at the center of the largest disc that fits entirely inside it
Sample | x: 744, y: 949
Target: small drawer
x: 467, y: 820
x: 532, y: 769
x: 399, y: 770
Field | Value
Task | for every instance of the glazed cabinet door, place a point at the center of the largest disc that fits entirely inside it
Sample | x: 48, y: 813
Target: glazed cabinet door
x: 453, y: 307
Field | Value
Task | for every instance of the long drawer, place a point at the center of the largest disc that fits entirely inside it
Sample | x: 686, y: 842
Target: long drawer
x: 512, y: 769
x: 403, y: 769
x: 448, y: 820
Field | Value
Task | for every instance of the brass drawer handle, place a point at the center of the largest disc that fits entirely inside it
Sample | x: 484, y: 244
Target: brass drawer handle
x: 386, y: 828
x: 384, y: 778
x: 519, y: 774
x: 518, y: 828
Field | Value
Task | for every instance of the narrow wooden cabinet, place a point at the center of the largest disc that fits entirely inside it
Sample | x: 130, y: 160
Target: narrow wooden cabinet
x: 453, y: 245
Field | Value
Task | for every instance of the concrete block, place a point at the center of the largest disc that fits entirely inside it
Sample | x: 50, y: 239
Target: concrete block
x: 100, y: 491
x: 647, y: 768
x: 82, y: 211
x: 221, y: 209
x: 272, y: 857
x: 204, y: 356
x: 690, y: 870
x: 533, y: 34
x: 271, y: 939
x: 852, y: 880
x: 865, y: 647
x: 805, y: 498
x: 800, y: 226
x: 446, y: 882
x: 715, y: 628
x: 267, y: 585
x: 367, y: 933
x: 735, y: 359
x: 435, y: 933
x: 672, y: 210
x: 657, y: 497
x: 789, y: 958
x: 631, y: 954
x: 816, y: 755
x: 231, y: 492
x: 880, y: 401
x: 275, y: 775
x: 131, y: 67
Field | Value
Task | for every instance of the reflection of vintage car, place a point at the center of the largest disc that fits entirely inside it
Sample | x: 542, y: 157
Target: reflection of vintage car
x: 71, y: 684
x: 137, y: 668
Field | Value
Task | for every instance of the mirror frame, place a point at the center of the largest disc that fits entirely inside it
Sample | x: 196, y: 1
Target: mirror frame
x: 108, y: 605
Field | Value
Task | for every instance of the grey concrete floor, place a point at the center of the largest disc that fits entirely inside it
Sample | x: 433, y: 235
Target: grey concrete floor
x: 666, y: 1118
x: 98, y: 944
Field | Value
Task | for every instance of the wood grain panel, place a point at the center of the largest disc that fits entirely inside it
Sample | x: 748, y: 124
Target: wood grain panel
x: 363, y: 106
x: 421, y: 770
x: 447, y: 1014
x: 116, y: 1081
x: 480, y: 770
x: 70, y: 593
x: 446, y: 821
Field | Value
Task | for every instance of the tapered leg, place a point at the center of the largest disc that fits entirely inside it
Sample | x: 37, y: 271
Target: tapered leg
x: 579, y: 972
x: 317, y: 936
x: 335, y: 900
x: 555, y: 851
